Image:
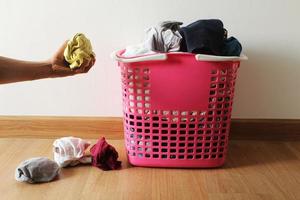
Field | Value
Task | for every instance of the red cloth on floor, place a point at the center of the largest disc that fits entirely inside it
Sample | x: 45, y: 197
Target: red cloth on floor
x: 104, y: 155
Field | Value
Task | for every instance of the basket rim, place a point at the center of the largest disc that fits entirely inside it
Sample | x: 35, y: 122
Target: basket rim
x: 117, y: 55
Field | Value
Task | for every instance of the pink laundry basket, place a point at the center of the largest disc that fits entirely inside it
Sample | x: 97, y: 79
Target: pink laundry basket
x: 177, y: 108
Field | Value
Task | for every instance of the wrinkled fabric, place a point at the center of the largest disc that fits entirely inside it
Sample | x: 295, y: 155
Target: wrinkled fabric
x: 162, y: 38
x: 104, y: 155
x: 172, y: 25
x: 209, y: 37
x: 203, y: 36
x: 70, y: 151
x: 78, y: 49
x: 232, y: 47
x: 36, y: 170
x: 137, y: 50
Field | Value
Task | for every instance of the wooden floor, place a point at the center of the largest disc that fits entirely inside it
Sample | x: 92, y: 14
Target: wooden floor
x: 264, y: 170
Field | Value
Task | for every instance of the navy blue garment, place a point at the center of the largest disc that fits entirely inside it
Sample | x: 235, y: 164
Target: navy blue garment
x: 232, y: 47
x: 203, y: 36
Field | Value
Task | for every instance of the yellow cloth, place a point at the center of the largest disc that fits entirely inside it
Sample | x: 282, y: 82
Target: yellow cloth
x: 78, y: 49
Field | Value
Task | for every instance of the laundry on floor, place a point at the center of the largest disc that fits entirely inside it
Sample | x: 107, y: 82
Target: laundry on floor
x: 37, y: 170
x: 200, y: 37
x: 105, y: 156
x: 68, y: 152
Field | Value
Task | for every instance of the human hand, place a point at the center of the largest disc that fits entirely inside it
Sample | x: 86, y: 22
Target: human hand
x: 60, y: 67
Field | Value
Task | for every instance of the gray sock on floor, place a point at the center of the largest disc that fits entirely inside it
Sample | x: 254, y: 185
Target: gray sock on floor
x: 36, y: 170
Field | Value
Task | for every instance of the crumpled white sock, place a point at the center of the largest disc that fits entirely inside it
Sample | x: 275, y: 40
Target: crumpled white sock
x: 70, y: 151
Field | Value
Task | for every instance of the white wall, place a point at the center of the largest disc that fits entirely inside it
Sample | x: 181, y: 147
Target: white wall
x: 267, y: 86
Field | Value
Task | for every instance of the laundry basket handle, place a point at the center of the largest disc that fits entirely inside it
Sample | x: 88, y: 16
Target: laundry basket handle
x: 204, y: 57
x: 154, y: 57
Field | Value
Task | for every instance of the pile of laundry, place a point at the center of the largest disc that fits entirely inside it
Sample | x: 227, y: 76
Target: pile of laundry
x: 68, y: 152
x: 201, y: 37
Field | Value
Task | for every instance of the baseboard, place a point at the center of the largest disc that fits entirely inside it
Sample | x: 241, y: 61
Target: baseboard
x: 54, y: 127
x: 112, y: 128
x: 265, y: 129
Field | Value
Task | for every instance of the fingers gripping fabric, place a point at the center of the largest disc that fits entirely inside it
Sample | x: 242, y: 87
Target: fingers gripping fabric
x: 70, y: 151
x: 78, y: 49
x: 36, y: 170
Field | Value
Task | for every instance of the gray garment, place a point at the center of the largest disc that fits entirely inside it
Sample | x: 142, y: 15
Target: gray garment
x: 164, y: 38
x: 36, y: 170
x: 173, y: 25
